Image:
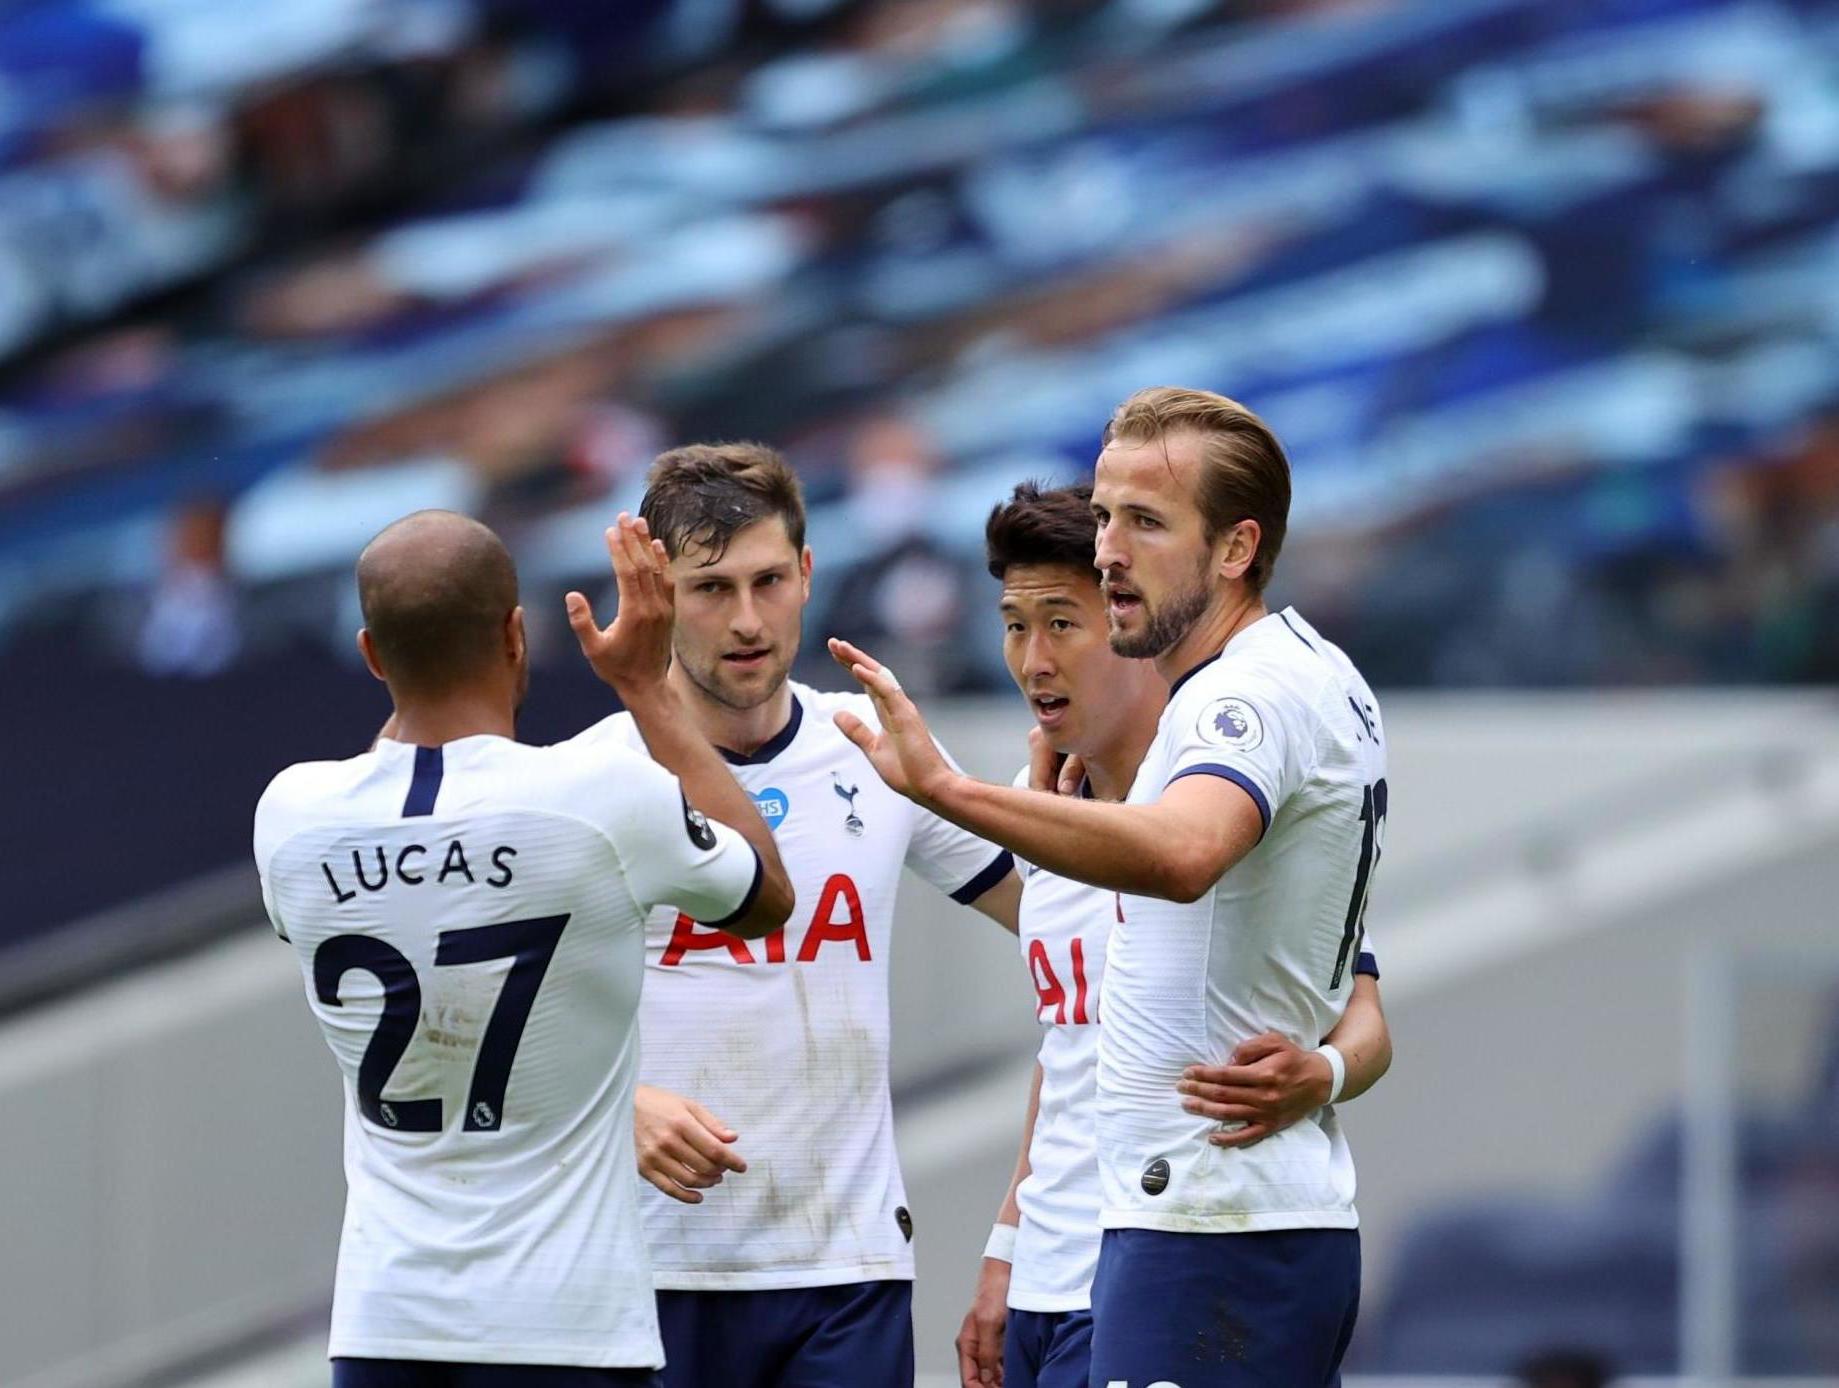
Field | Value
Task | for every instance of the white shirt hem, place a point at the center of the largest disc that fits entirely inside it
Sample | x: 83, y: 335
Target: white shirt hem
x: 1050, y: 1303
x: 547, y: 1353
x: 1242, y: 1222
x: 778, y: 1279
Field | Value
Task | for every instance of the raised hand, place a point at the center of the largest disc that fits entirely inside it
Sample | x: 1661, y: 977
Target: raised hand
x: 682, y: 1147
x: 633, y: 654
x: 902, y: 752
x: 1268, y: 1083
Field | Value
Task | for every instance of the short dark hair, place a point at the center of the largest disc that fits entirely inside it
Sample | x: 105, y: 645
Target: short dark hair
x: 435, y: 589
x: 1244, y: 473
x: 704, y: 493
x: 1042, y: 525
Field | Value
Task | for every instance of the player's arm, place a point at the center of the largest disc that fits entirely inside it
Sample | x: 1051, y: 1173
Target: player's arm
x: 633, y: 656
x: 980, y: 1338
x: 708, y: 786
x: 1270, y: 1082
x: 1003, y: 902
x: 1175, y: 849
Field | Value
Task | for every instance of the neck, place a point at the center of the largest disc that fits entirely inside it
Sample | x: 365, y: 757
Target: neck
x: 1111, y: 766
x: 742, y: 730
x: 432, y: 722
x: 1236, y: 609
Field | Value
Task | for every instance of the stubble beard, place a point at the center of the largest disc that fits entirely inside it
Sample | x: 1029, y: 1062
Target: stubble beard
x: 1165, y: 624
x: 709, y: 683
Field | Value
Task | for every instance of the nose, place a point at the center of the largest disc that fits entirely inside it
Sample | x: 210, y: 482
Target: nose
x: 1037, y: 656
x: 1110, y: 552
x: 746, y: 621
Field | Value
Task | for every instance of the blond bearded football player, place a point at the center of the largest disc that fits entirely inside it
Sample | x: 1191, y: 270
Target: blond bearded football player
x: 798, y: 1272
x: 468, y: 913
x: 1241, y: 862
x: 1030, y: 1325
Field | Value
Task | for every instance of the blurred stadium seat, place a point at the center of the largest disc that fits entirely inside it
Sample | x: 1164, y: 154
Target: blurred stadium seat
x: 1543, y: 296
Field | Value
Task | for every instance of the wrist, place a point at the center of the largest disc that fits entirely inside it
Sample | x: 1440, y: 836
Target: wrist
x: 648, y: 698
x: 1001, y: 1245
x: 939, y: 790
x: 1336, y: 1067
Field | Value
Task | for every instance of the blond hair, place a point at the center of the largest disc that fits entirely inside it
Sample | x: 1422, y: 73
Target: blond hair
x: 1244, y: 473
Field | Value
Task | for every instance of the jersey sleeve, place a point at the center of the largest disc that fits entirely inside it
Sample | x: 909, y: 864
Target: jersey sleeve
x: 674, y: 855
x: 955, y: 860
x: 271, y: 830
x: 1368, y: 961
x: 1244, y: 729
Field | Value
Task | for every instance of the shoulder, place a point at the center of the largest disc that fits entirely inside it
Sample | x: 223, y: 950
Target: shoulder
x: 615, y: 730
x: 1237, y: 701
x: 302, y: 795
x: 822, y: 706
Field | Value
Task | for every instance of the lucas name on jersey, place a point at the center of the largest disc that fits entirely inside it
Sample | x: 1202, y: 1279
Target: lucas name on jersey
x: 413, y: 865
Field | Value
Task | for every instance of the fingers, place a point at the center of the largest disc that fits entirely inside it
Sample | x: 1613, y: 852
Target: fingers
x: 669, y: 1187
x: 1242, y: 1137
x: 855, y: 730
x: 990, y: 1351
x: 1258, y: 1047
x: 1072, y: 774
x: 1223, y: 1112
x: 1206, y: 1079
x: 705, y: 1148
x: 581, y: 620
x: 710, y: 1121
x: 849, y: 656
x: 980, y: 1352
x: 639, y: 565
x: 969, y: 1376
x: 1043, y: 761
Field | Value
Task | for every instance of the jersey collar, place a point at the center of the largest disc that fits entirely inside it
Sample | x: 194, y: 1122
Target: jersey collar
x: 1175, y: 688
x: 774, y: 745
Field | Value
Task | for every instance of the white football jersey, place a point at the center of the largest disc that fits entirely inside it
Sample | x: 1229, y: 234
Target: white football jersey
x: 1272, y: 947
x: 469, y: 923
x: 1065, y: 926
x: 1065, y: 934
x: 786, y: 1039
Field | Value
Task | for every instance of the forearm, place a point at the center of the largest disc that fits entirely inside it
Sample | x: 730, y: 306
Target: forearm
x: 677, y: 746
x: 1126, y: 848
x: 1364, y: 1040
x: 1011, y: 1211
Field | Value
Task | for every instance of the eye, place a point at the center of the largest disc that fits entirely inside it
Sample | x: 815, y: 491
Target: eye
x: 1061, y: 624
x: 1145, y: 523
x: 709, y: 586
x: 1013, y: 628
x: 1102, y: 517
x: 768, y: 580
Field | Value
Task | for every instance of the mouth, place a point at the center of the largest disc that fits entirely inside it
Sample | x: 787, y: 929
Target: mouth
x: 1121, y: 602
x: 752, y: 658
x: 1049, y: 709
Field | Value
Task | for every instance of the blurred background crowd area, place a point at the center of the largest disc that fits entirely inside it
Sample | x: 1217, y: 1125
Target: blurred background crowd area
x: 1543, y: 296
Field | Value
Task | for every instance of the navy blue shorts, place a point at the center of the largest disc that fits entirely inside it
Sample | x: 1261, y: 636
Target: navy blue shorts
x: 1047, y: 1349
x: 1267, y: 1310
x: 418, y: 1373
x: 851, y: 1336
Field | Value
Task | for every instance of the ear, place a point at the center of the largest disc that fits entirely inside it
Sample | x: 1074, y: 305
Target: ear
x: 369, y: 652
x: 516, y: 642
x: 804, y: 570
x: 1238, y: 547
